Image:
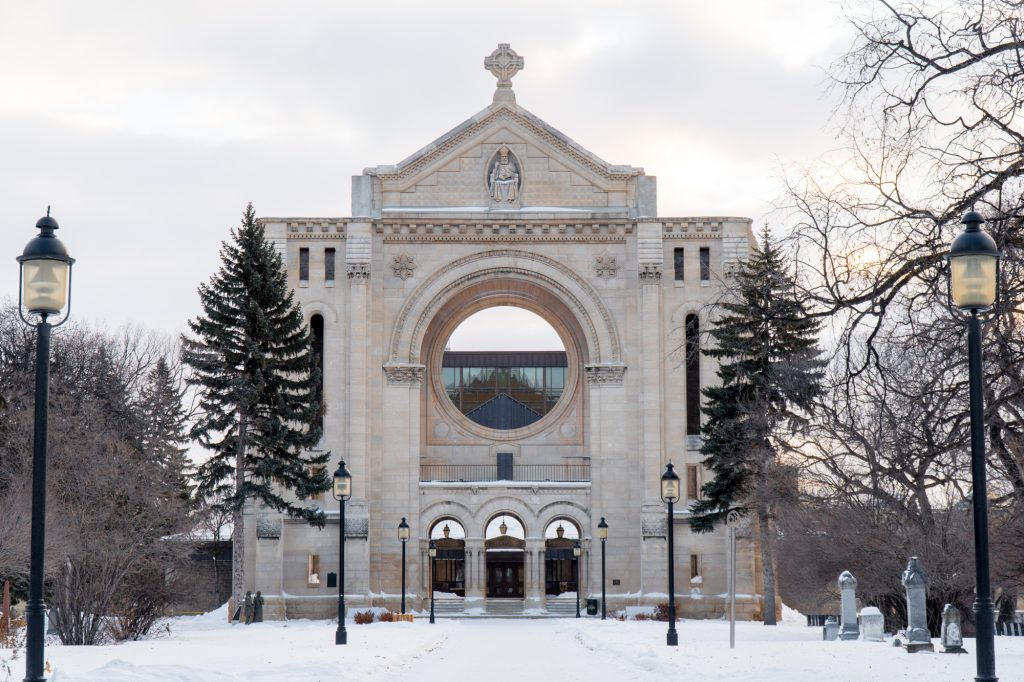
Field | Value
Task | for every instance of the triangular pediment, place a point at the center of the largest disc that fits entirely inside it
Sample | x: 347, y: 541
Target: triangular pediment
x: 504, y: 159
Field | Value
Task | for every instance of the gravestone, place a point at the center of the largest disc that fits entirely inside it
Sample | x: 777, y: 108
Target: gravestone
x: 916, y: 585
x: 830, y: 632
x: 872, y: 624
x: 848, y: 586
x: 952, y: 636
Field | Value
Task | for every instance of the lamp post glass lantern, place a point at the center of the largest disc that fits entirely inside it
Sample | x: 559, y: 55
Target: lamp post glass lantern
x: 44, y: 288
x: 602, y: 534
x: 342, y: 491
x: 403, y: 535
x: 973, y: 289
x: 670, y: 495
x: 576, y: 551
x: 432, y: 552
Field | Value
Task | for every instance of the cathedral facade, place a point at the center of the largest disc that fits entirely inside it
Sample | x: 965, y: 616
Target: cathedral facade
x: 510, y: 482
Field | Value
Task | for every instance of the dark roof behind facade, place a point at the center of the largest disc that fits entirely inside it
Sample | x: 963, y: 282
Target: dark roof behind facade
x: 515, y: 358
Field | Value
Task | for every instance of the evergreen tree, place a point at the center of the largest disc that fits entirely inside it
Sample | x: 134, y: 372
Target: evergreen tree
x: 258, y: 384
x: 164, y: 435
x: 770, y: 374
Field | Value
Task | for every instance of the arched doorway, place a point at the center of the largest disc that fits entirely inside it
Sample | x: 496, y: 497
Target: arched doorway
x: 561, y: 566
x: 449, y: 537
x: 505, y: 545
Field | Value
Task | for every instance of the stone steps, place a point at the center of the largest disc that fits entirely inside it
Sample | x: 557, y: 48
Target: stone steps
x: 508, y: 608
x: 448, y: 607
x: 565, y: 608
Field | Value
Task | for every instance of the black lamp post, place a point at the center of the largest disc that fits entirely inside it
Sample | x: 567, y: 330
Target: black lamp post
x: 670, y: 494
x: 576, y: 555
x: 44, y: 287
x: 342, y: 491
x: 973, y: 288
x: 403, y: 535
x: 432, y: 551
x: 602, y: 534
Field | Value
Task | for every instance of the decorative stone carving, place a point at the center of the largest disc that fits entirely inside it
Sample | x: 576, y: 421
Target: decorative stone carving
x: 605, y: 374
x: 359, y: 273
x: 916, y: 585
x: 504, y: 63
x: 848, y: 586
x: 403, y: 266
x: 503, y: 178
x: 358, y: 527
x: 400, y: 373
x: 268, y: 527
x: 605, y: 265
x: 654, y: 527
x: 952, y: 636
x: 650, y: 273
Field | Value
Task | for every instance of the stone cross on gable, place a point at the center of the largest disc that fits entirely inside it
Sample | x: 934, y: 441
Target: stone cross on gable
x: 504, y: 63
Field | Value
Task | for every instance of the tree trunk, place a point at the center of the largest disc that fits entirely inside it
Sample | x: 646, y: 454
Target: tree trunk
x: 767, y: 561
x: 238, y: 532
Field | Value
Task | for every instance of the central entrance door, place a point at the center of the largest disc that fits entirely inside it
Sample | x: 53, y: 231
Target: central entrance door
x: 505, y: 567
x: 505, y: 576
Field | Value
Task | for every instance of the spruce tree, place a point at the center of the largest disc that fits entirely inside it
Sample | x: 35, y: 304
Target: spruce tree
x: 254, y: 370
x: 770, y: 373
x: 164, y: 435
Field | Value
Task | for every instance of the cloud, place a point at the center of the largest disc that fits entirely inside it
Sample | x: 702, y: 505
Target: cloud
x: 148, y: 126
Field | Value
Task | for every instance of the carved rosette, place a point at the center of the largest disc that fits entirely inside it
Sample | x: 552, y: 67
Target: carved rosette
x: 650, y: 273
x: 359, y: 274
x: 605, y: 265
x: 402, y: 373
x: 605, y: 375
x: 403, y: 266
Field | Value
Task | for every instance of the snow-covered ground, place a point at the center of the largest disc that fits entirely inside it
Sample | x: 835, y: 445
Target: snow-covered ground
x: 207, y: 648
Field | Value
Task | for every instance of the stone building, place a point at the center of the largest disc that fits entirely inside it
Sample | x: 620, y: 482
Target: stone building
x: 505, y: 210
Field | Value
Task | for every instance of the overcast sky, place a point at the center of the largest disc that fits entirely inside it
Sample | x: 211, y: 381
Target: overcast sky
x: 149, y: 125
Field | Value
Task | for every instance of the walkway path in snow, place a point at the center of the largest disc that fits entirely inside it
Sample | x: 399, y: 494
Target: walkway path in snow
x: 205, y: 648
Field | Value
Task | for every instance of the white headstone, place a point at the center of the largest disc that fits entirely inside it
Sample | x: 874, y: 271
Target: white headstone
x: 872, y: 624
x: 952, y: 637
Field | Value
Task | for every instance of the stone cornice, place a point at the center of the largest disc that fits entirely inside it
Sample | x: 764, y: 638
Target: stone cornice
x: 403, y: 373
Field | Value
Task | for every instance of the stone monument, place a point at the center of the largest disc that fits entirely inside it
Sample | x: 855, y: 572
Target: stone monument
x: 830, y: 632
x: 848, y: 586
x: 916, y: 584
x: 952, y: 636
x: 872, y: 624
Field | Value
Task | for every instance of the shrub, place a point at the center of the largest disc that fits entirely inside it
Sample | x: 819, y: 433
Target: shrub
x: 363, y: 617
x: 643, y: 616
x: 661, y: 612
x: 387, y: 617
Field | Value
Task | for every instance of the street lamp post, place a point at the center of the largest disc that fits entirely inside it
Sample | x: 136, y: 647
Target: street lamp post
x: 670, y: 494
x: 602, y: 533
x: 576, y: 555
x: 432, y: 551
x: 403, y: 535
x: 342, y: 491
x: 44, y: 288
x: 973, y: 289
x: 731, y: 522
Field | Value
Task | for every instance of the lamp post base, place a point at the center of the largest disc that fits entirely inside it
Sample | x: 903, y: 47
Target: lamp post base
x: 673, y: 637
x: 340, y: 636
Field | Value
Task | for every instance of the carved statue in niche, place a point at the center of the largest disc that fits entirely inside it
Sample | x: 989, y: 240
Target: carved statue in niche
x: 503, y: 180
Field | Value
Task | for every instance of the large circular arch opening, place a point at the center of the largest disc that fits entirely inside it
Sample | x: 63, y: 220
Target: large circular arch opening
x: 504, y: 367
